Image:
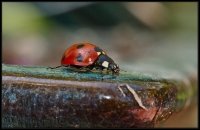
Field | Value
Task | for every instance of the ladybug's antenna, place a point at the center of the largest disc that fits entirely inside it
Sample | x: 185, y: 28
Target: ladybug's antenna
x: 123, y: 70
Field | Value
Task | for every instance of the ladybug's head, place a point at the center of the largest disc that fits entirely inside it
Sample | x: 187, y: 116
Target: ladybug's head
x: 114, y: 67
x: 104, y: 61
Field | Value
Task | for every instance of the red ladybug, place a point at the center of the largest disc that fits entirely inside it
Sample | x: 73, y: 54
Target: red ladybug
x: 89, y: 56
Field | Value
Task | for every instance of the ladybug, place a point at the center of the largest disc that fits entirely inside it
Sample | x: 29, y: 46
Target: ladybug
x: 87, y: 55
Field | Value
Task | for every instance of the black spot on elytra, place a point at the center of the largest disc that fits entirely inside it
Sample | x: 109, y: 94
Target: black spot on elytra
x: 80, y: 46
x: 79, y: 58
x: 97, y: 49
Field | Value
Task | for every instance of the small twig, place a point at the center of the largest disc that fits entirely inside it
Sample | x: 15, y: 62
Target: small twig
x: 137, y: 98
x: 121, y: 91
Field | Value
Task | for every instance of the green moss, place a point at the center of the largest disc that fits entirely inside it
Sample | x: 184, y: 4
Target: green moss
x: 69, y: 73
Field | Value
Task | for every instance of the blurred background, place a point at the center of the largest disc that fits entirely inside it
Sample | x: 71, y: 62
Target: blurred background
x: 158, y: 38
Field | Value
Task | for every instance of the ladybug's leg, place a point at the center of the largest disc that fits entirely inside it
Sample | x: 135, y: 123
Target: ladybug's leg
x: 114, y: 74
x: 75, y: 68
x: 87, y: 68
x: 97, y: 68
x: 55, y: 67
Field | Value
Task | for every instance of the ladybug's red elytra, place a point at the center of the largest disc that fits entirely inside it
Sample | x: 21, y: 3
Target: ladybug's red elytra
x: 89, y: 56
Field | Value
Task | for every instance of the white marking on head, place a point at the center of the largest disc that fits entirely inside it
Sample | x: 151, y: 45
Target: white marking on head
x: 105, y: 64
x: 98, y: 53
x: 103, y: 52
